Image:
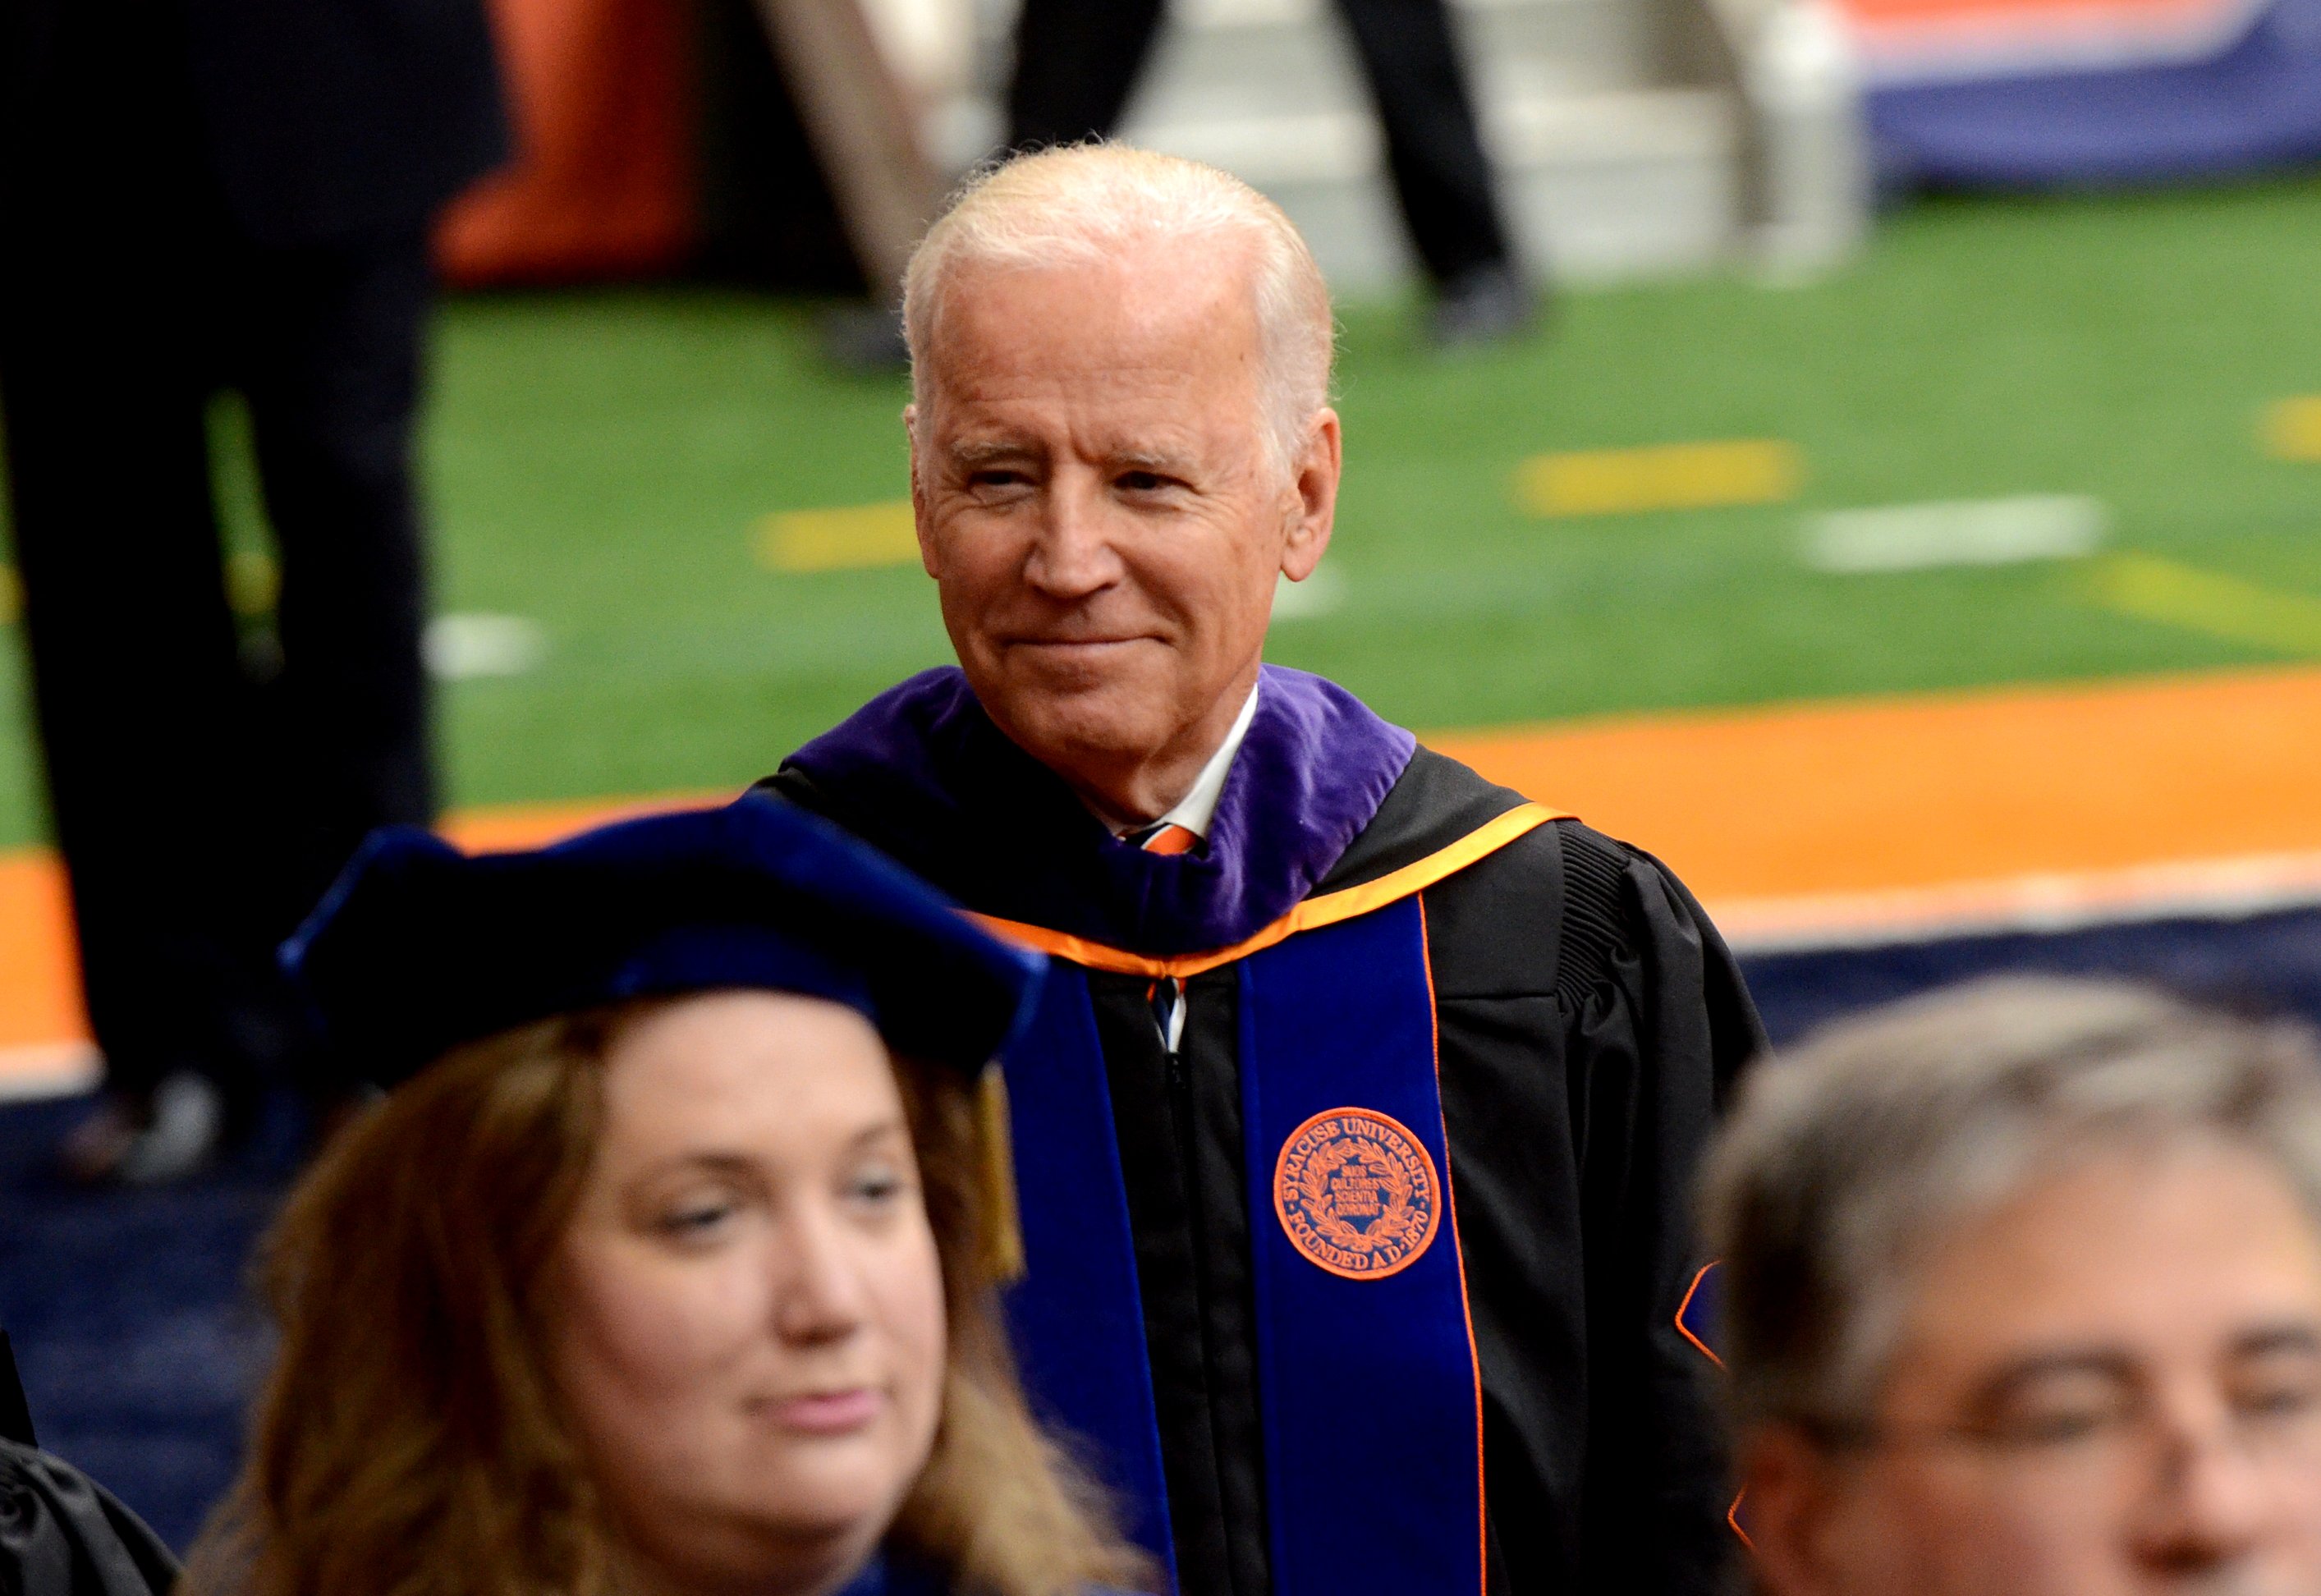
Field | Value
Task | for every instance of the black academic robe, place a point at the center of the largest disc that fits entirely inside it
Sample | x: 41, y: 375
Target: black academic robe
x: 61, y: 1534
x: 1590, y: 1024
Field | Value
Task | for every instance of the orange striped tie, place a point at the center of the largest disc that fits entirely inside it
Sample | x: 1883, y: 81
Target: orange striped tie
x: 1169, y: 838
x: 1167, y: 995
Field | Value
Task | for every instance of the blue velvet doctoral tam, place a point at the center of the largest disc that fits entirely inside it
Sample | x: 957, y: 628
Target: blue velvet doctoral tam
x: 420, y: 947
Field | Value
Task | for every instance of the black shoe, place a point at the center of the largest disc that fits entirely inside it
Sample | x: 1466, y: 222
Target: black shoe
x: 1482, y: 305
x: 149, y: 1138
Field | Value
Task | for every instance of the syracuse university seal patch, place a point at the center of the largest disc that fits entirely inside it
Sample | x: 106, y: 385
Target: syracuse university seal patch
x: 1357, y: 1193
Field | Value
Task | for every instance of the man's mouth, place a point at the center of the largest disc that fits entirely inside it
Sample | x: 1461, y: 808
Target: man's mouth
x: 1073, y: 644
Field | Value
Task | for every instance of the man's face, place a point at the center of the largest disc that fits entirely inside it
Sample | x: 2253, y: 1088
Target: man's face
x: 2110, y: 1386
x: 1100, y: 505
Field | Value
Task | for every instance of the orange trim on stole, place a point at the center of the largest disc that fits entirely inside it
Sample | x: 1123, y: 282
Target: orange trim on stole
x: 1684, y: 1329
x: 1458, y: 1252
x: 1732, y: 1513
x: 1311, y: 915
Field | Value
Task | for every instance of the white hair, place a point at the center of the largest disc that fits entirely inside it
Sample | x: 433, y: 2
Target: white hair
x: 1085, y: 204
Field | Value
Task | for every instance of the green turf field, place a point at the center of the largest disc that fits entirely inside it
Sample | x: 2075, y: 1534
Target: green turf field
x: 597, y: 461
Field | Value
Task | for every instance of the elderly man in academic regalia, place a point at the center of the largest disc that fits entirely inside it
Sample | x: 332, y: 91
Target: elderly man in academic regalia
x: 1355, y: 1131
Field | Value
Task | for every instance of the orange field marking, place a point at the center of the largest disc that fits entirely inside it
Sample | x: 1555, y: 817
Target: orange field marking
x: 1947, y: 808
x: 42, y: 1034
x: 1793, y: 823
x: 39, y: 988
x: 527, y: 825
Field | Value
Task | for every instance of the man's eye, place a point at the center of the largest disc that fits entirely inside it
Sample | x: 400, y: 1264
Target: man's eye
x: 2279, y: 1398
x: 2059, y: 1422
x: 2059, y: 1427
x: 997, y: 479
x: 1141, y: 482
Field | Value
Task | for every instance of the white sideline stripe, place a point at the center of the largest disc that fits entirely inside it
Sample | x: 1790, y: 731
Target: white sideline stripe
x: 1321, y: 592
x: 461, y: 647
x: 1961, y: 532
x: 48, y: 1070
x: 2212, y: 889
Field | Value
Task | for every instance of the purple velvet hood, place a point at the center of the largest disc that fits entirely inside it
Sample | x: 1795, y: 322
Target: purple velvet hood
x: 920, y: 772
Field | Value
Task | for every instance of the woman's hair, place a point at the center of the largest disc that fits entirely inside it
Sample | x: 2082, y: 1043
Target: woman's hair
x: 410, y: 1441
x: 1851, y: 1158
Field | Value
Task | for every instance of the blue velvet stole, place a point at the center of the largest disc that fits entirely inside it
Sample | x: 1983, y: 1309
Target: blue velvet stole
x: 1077, y: 1321
x: 1367, y: 1375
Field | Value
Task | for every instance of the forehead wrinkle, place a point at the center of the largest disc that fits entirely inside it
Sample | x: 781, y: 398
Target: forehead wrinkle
x: 1153, y: 281
x: 1024, y: 407
x: 1154, y: 304
x: 1162, y: 445
x: 1031, y: 373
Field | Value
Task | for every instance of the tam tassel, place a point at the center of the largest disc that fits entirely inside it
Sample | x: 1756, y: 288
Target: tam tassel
x: 1003, y: 1228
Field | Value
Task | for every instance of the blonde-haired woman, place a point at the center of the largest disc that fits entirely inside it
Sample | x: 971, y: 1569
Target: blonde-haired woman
x: 668, y: 1272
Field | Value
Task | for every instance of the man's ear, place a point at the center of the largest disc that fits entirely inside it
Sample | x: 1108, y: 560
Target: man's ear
x: 1315, y: 479
x: 1788, y: 1494
x: 920, y: 521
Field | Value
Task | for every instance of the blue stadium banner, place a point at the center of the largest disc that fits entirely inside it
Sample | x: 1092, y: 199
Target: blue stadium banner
x: 2041, y: 93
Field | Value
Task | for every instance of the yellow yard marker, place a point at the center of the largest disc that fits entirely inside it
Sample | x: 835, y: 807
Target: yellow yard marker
x: 12, y: 596
x: 1661, y: 477
x: 2292, y: 428
x: 836, y: 539
x: 2156, y: 590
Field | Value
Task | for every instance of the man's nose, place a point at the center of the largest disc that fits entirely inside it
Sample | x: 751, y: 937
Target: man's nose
x: 818, y: 1290
x: 2213, y: 1500
x: 1072, y: 556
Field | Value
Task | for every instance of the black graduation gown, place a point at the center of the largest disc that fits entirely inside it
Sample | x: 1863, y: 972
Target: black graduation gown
x: 61, y: 1534
x: 1590, y: 1022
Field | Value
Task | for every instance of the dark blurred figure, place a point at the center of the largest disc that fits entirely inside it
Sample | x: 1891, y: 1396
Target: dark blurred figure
x: 2022, y: 1294
x: 1077, y: 62
x: 201, y: 196
x: 62, y: 1534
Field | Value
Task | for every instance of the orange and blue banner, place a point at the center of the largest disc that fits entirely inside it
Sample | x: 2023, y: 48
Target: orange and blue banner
x: 2030, y: 93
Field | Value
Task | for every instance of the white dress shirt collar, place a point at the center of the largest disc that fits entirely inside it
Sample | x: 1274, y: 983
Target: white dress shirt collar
x: 1198, y: 807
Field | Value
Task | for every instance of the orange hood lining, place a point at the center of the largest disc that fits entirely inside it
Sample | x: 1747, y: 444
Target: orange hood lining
x: 1327, y: 909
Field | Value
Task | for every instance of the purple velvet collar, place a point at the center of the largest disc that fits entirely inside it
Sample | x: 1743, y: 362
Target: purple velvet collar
x: 920, y: 772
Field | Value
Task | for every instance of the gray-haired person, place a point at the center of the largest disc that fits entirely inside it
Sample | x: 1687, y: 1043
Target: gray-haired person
x: 2023, y: 1295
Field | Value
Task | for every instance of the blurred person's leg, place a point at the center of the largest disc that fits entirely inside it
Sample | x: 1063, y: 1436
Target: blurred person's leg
x: 136, y: 688
x: 332, y: 370
x: 1077, y: 62
x: 1442, y: 180
x: 134, y: 678
x: 107, y: 300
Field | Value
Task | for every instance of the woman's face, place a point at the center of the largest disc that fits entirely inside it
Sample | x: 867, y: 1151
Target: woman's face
x: 746, y: 1320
